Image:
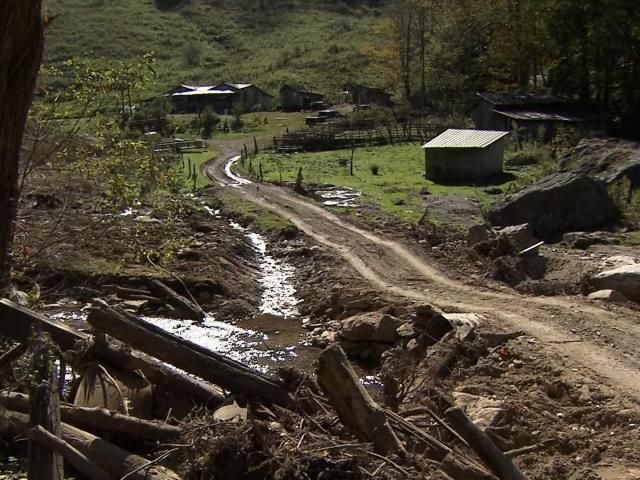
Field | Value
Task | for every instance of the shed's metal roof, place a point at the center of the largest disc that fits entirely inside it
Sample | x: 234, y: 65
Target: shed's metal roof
x: 542, y: 116
x: 453, y: 138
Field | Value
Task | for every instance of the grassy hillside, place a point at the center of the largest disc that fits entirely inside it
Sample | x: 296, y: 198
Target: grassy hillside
x: 317, y: 44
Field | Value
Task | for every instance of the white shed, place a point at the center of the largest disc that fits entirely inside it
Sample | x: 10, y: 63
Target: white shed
x: 461, y: 155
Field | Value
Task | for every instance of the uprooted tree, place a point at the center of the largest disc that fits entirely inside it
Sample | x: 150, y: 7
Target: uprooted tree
x: 21, y: 44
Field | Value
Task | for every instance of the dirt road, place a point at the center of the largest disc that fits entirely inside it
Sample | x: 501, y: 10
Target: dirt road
x: 566, y: 327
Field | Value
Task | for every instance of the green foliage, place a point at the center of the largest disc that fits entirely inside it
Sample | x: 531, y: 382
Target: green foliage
x: 209, y: 120
x: 629, y: 206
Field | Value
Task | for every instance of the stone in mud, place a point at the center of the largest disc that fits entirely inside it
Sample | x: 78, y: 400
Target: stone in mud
x: 464, y: 324
x: 370, y: 327
x: 520, y: 236
x: 406, y: 330
x: 479, y: 233
x: 483, y: 411
x: 232, y: 413
x: 135, y: 305
x: 608, y: 296
x: 584, y: 240
x: 625, y: 280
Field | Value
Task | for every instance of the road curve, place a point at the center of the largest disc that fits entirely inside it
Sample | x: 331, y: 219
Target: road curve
x: 393, y: 267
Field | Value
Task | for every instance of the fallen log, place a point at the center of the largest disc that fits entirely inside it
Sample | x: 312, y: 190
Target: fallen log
x: 353, y: 404
x: 115, y: 461
x: 16, y: 323
x: 499, y: 463
x: 99, y: 420
x: 188, y: 356
x: 191, y: 309
x: 74, y: 457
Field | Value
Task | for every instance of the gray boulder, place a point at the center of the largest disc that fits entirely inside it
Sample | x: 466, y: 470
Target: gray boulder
x: 557, y: 204
x: 625, y: 280
x: 520, y: 236
x: 584, y: 240
x: 370, y: 327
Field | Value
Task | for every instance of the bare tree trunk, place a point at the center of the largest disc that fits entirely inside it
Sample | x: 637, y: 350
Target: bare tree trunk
x: 21, y: 43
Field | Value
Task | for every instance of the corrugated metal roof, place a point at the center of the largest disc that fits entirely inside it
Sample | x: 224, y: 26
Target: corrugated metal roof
x: 453, y: 138
x: 536, y: 115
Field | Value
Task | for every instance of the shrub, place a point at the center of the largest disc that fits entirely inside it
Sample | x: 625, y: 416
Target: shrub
x: 375, y: 169
x: 208, y: 122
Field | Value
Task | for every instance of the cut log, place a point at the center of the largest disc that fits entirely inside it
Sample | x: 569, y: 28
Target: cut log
x: 188, y: 356
x: 189, y: 308
x: 499, y: 463
x: 100, y: 420
x: 115, y: 461
x: 74, y: 457
x: 16, y: 323
x: 353, y: 404
x: 44, y: 409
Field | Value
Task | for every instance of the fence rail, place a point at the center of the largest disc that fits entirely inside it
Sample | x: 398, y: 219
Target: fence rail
x: 332, y: 138
x: 179, y: 146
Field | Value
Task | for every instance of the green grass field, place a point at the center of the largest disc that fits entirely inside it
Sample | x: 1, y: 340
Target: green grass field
x: 197, y: 159
x: 399, y: 185
x: 202, y: 41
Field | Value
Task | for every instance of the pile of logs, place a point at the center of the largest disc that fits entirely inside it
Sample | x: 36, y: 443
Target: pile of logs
x: 83, y: 436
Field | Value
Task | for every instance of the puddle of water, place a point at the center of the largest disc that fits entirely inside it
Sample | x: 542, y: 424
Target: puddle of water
x: 240, y: 344
x: 338, y: 196
x: 239, y: 180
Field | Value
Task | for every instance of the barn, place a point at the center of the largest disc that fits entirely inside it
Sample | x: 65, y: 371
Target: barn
x: 531, y: 116
x: 465, y: 155
x: 221, y: 97
x: 295, y: 98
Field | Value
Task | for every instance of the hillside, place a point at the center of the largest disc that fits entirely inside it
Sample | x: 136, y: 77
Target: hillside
x: 319, y: 45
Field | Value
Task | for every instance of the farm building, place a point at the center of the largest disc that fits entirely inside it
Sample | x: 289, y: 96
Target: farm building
x: 221, y: 97
x: 465, y: 155
x: 531, y: 116
x: 361, y: 95
x: 293, y: 99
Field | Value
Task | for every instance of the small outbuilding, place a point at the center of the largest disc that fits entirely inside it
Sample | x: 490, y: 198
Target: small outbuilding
x: 465, y: 155
x: 295, y: 98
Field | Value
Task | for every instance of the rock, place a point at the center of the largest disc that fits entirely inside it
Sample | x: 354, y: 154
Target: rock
x: 625, y: 280
x: 479, y: 233
x: 358, y: 305
x: 189, y: 254
x: 136, y: 305
x: 370, y: 327
x: 620, y: 261
x: 202, y: 227
x: 483, y: 411
x: 557, y: 204
x: 520, y: 236
x: 464, y: 324
x: 146, y: 219
x: 231, y: 413
x: 586, y: 239
x: 406, y: 330
x: 608, y: 296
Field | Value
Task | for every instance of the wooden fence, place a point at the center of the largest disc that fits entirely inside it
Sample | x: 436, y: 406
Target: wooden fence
x: 179, y: 146
x: 331, y: 138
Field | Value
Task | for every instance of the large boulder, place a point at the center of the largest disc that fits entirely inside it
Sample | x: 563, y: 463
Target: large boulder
x: 625, y: 280
x: 371, y: 327
x: 557, y: 204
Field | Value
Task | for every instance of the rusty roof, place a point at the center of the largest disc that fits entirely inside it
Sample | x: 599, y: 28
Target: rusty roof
x: 453, y: 138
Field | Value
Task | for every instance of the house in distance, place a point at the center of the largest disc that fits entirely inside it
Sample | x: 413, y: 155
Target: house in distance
x: 465, y: 155
x: 536, y: 117
x: 221, y: 97
x: 361, y: 95
x: 296, y: 98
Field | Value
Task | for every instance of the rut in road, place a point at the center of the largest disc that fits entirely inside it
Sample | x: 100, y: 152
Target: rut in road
x: 393, y: 268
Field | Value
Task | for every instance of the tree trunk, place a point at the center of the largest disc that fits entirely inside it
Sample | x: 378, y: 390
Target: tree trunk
x: 187, y: 356
x: 21, y: 43
x: 100, y: 420
x: 110, y: 458
x: 354, y: 405
x: 75, y: 458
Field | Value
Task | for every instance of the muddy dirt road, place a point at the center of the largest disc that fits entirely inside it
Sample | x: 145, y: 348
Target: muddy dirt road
x: 587, y: 339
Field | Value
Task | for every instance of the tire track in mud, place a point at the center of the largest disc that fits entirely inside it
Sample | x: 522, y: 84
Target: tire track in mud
x: 388, y: 265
